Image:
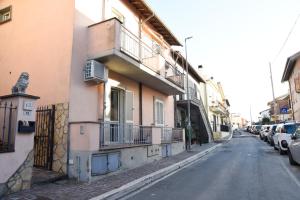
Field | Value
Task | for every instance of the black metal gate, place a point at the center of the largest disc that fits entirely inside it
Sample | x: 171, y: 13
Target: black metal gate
x: 7, y: 120
x: 44, y: 136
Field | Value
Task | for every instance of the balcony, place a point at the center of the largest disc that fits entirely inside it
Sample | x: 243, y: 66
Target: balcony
x: 122, y: 51
x: 193, y: 96
x: 115, y: 135
x: 219, y: 108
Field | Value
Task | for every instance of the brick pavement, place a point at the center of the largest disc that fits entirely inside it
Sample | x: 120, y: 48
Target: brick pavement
x: 65, y: 190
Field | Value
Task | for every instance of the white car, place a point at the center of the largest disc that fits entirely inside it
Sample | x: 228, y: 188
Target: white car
x: 283, y: 135
x: 261, y: 132
x: 265, y: 133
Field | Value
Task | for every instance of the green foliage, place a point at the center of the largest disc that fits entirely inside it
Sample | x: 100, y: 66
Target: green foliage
x: 265, y: 120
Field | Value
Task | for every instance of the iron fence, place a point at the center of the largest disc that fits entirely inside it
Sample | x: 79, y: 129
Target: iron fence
x: 177, y: 135
x: 166, y: 135
x: 7, y: 127
x: 114, y: 133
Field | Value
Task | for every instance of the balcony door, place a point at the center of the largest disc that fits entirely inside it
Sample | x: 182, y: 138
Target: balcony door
x: 117, y: 114
x: 121, y: 115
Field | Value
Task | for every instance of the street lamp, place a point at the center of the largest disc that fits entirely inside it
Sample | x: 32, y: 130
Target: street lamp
x: 187, y: 94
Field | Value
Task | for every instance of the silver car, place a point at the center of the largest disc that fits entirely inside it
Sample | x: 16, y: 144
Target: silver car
x: 294, y: 148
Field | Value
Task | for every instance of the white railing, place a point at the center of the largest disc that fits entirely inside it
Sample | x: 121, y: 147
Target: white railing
x: 149, y: 56
x: 114, y: 133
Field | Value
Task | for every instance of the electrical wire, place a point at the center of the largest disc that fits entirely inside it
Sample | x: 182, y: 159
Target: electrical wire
x: 286, y: 39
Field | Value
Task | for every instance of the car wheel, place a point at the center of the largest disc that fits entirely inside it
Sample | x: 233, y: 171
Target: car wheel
x: 281, y: 152
x: 292, y: 161
x: 266, y: 139
x: 275, y: 148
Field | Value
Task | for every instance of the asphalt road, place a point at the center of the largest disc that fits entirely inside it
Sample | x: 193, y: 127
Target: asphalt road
x: 244, y: 168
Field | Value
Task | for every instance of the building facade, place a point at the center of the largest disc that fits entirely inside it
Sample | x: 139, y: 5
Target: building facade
x: 218, y: 108
x: 109, y: 77
x: 291, y: 74
x: 280, y: 111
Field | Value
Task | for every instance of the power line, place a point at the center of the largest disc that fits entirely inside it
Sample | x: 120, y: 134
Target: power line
x: 286, y: 39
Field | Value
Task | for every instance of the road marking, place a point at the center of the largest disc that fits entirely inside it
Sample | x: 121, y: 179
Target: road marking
x: 292, y: 176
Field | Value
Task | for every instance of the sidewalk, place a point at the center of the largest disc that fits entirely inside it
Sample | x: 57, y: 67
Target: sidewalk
x: 66, y: 190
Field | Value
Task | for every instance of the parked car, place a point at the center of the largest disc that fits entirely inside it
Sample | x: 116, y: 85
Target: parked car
x: 271, y: 134
x: 261, y: 132
x: 282, y: 136
x: 265, y: 133
x: 294, y: 147
x: 257, y: 129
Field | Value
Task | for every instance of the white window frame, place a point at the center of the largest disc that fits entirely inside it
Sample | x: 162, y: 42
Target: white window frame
x: 156, y: 110
x: 5, y: 14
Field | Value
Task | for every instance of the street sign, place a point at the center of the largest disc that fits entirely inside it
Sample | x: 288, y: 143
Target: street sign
x: 284, y: 110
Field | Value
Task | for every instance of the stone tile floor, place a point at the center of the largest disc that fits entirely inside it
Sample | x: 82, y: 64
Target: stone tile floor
x: 45, y: 176
x: 70, y: 189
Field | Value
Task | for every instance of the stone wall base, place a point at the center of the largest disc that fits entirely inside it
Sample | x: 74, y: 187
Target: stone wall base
x: 21, y: 179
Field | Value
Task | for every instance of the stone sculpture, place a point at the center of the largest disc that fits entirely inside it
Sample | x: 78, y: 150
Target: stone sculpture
x: 22, y: 84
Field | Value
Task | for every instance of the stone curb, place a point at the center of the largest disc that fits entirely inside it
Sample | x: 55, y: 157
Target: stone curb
x: 145, y: 180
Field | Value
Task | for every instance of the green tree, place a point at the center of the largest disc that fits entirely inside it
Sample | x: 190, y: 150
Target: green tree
x: 265, y: 120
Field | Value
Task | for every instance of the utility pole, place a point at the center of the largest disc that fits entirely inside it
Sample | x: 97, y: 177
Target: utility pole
x: 271, y: 77
x: 188, y: 96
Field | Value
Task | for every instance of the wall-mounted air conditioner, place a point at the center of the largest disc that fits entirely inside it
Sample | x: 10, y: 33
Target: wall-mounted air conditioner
x: 95, y: 72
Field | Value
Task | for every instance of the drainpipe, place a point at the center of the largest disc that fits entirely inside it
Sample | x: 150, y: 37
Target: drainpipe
x: 141, y: 103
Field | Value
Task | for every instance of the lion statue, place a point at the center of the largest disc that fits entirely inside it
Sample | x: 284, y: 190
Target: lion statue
x: 21, y: 84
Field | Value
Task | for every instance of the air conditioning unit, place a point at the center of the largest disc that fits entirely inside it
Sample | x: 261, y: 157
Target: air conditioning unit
x: 95, y: 72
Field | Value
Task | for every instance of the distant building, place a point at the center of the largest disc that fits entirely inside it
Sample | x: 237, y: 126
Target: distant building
x: 265, y: 113
x: 238, y: 121
x: 292, y: 75
x: 218, y: 107
x: 280, y: 111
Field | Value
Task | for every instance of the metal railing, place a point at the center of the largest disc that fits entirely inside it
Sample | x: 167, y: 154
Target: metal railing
x: 166, y: 135
x: 7, y: 137
x: 177, y: 135
x: 174, y: 75
x: 149, y: 56
x: 114, y: 133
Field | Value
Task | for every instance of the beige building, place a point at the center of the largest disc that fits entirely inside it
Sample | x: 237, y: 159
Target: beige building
x: 218, y: 108
x: 238, y: 121
x: 291, y: 74
x: 280, y: 111
x: 107, y: 74
x: 201, y: 131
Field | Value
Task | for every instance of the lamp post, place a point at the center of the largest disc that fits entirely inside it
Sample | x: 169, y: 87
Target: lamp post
x: 188, y: 95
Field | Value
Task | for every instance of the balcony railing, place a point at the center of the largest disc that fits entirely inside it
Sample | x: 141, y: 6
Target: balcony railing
x: 169, y: 135
x: 114, y: 133
x: 166, y: 135
x: 177, y: 135
x: 149, y: 56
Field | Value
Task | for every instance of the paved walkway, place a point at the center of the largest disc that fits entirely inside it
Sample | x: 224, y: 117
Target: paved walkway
x: 66, y: 190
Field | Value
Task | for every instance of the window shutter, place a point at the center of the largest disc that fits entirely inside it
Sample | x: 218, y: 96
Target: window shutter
x: 129, y: 106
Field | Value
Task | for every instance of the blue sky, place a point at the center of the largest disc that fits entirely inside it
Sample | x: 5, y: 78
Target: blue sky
x: 235, y: 40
